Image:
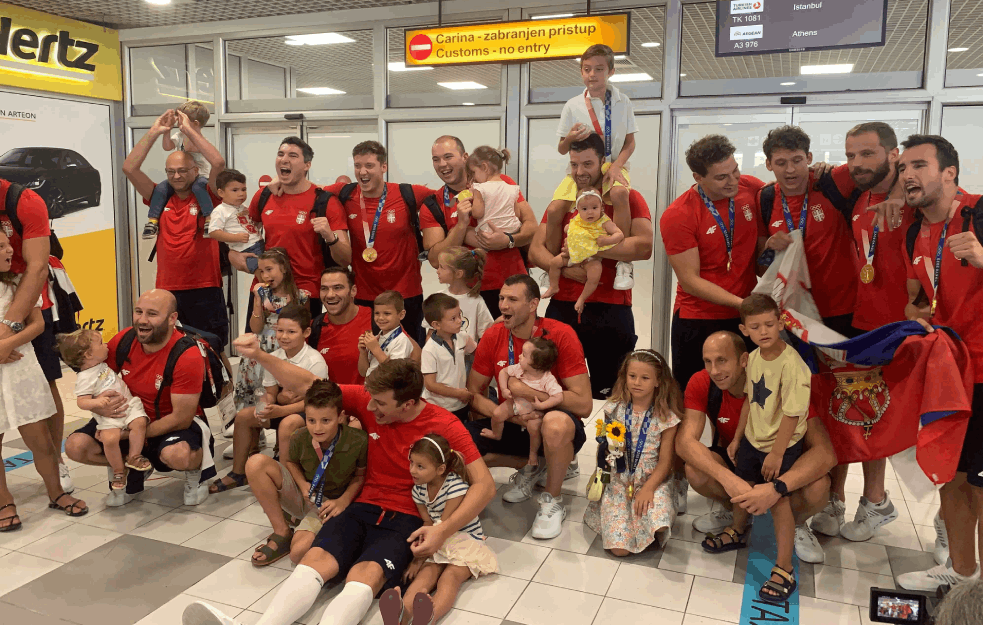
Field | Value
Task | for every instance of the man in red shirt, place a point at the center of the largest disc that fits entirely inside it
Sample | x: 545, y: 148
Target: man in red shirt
x: 374, y: 539
x: 562, y: 428
x: 187, y: 260
x: 717, y: 393
x: 945, y: 287
x: 344, y: 321
x: 384, y: 249
x: 713, y: 259
x: 607, y: 326
x: 178, y: 437
x: 504, y: 258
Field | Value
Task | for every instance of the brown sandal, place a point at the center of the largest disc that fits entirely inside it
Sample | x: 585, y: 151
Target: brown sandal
x: 272, y: 555
x: 139, y: 463
x: 118, y: 482
x: 10, y: 523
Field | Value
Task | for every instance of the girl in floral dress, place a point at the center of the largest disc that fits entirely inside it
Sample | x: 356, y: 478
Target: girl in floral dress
x: 635, y: 446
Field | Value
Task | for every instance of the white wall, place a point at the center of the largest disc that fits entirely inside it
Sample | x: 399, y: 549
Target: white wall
x: 961, y: 126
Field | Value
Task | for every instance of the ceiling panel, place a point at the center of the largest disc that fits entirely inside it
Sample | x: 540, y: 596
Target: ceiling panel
x: 966, y: 31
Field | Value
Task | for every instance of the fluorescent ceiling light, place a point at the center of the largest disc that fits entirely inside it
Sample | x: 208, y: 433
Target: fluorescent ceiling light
x: 958, y: 49
x: 462, y: 85
x: 468, y: 103
x: 844, y: 68
x: 651, y: 44
x: 787, y: 84
x: 317, y: 39
x: 320, y: 91
x: 681, y: 75
x: 617, y: 57
x: 159, y: 2
x: 552, y: 17
x: 399, y: 66
x: 637, y: 77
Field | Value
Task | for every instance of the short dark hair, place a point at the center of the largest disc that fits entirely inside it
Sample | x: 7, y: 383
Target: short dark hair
x: 227, y: 176
x: 544, y: 353
x: 390, y: 298
x: 437, y: 304
x: 402, y: 376
x: 885, y: 134
x: 790, y: 138
x: 323, y: 394
x: 370, y: 147
x: 945, y: 152
x: 532, y: 287
x: 599, y: 49
x: 299, y: 313
x: 305, y: 148
x: 457, y: 142
x: 758, y: 304
x: 708, y: 151
x: 345, y: 271
x: 592, y: 142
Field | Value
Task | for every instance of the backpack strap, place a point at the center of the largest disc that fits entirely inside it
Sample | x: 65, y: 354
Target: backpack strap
x: 974, y: 215
x: 766, y: 201
x: 346, y: 192
x: 124, y: 346
x: 14, y: 192
x: 827, y: 186
x: 912, y: 235
x: 436, y: 210
x: 715, y: 399
x: 315, y: 337
x: 409, y: 198
x: 264, y: 197
x: 182, y: 345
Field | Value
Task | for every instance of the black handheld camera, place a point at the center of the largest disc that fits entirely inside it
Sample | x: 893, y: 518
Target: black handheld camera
x: 903, y: 606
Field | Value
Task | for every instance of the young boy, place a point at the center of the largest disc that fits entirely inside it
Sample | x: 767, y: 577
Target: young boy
x: 230, y: 222
x: 392, y: 342
x: 769, y: 435
x: 279, y: 409
x: 445, y: 375
x: 322, y: 474
x: 198, y: 115
x: 603, y: 109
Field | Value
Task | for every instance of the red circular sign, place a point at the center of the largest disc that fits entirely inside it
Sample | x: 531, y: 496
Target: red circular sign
x: 264, y: 180
x: 420, y: 47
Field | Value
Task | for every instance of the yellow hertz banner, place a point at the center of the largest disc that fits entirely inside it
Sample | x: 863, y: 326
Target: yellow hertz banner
x: 41, y: 51
x: 503, y: 42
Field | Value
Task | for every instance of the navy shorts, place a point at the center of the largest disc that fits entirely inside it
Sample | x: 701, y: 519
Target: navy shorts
x: 750, y: 459
x: 46, y: 348
x: 204, y: 309
x: 367, y: 533
x: 515, y: 440
x: 722, y: 452
x: 971, y: 459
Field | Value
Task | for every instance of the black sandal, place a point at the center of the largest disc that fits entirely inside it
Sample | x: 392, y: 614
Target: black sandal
x: 272, y: 555
x: 70, y: 509
x: 238, y: 480
x: 782, y: 590
x: 10, y: 523
x: 713, y: 543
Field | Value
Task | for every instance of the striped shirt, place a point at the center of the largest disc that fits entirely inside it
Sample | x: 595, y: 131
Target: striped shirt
x: 452, y: 488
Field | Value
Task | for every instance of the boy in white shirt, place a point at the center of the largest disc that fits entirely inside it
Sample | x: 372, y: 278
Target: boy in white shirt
x: 610, y: 114
x: 388, y: 311
x: 443, y: 358
x: 230, y: 222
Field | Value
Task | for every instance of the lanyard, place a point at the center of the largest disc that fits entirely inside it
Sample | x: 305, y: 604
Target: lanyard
x: 873, y: 244
x: 316, y: 494
x: 535, y: 328
x: 803, y: 216
x: 633, y: 458
x: 370, y: 236
x: 607, y: 121
x: 938, y: 268
x: 728, y: 234
x: 447, y: 196
x: 392, y: 336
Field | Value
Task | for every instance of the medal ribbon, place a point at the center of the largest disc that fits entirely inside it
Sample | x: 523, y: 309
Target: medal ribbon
x: 392, y: 336
x: 803, y: 216
x: 535, y: 328
x: 938, y: 268
x: 873, y: 244
x: 316, y: 493
x: 633, y: 458
x: 607, y: 121
x: 447, y: 196
x: 370, y: 236
x: 728, y: 234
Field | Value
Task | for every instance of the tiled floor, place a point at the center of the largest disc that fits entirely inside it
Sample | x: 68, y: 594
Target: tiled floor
x: 145, y: 562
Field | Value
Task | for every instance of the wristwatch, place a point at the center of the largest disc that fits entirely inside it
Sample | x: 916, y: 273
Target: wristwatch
x: 511, y: 240
x: 16, y: 326
x: 780, y: 487
x: 335, y: 240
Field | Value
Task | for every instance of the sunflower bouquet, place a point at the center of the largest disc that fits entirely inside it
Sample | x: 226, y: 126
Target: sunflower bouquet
x: 610, y: 456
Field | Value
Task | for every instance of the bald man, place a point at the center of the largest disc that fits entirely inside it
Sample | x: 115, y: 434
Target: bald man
x: 717, y: 393
x: 187, y: 260
x: 178, y: 435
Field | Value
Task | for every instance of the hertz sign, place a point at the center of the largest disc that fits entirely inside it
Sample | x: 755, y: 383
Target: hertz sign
x: 504, y: 42
x: 41, y: 51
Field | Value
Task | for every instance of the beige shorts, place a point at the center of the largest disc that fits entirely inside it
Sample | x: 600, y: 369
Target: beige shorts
x: 296, y: 503
x: 134, y: 411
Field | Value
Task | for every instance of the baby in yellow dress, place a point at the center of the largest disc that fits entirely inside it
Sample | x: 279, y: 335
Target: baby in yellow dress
x: 589, y: 232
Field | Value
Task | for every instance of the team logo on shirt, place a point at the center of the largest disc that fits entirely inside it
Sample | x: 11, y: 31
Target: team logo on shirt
x: 501, y: 363
x: 301, y: 217
x: 374, y: 436
x: 712, y: 230
x: 193, y: 209
x: 391, y: 216
x: 856, y: 217
x: 454, y: 214
x: 167, y: 208
x: 353, y: 216
x: 124, y: 372
x: 817, y: 212
x: 269, y: 212
x: 748, y: 215
x: 158, y: 381
x: 776, y: 224
x: 917, y: 260
x: 723, y: 419
x: 325, y: 350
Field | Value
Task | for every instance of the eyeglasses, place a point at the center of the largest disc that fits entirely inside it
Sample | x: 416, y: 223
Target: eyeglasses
x: 184, y: 171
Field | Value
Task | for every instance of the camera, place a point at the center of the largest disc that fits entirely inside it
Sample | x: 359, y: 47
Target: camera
x: 904, y: 606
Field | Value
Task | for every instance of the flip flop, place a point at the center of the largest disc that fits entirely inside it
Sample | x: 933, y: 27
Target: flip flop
x: 422, y: 609
x: 10, y: 523
x: 71, y: 509
x: 391, y: 606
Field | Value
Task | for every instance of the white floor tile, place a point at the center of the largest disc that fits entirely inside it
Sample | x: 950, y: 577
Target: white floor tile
x: 252, y: 514
x: 226, y: 504
x: 547, y: 605
x: 491, y: 596
x: 652, y: 587
x: 922, y: 513
x: 574, y: 536
x: 577, y: 572
x: 930, y: 497
x: 284, y: 563
x: 898, y: 534
x: 693, y: 619
x: 576, y: 506
x: 176, y: 527
x: 716, y: 599
x: 168, y: 492
x: 229, y: 538
x: 820, y: 612
x: 248, y: 618
x: 519, y: 560
x: 617, y: 611
x: 70, y: 542
x: 848, y: 586
x: 855, y: 487
x: 578, y: 485
x: 17, y: 569
x: 34, y: 528
x: 867, y: 557
x: 125, y: 518
x: 170, y: 613
x: 87, y: 476
x: 926, y: 536
x: 460, y: 617
x: 690, y: 558
x: 697, y: 504
x: 682, y: 529
x: 237, y: 583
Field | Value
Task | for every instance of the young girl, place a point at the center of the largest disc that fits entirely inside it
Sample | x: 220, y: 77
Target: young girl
x: 589, y: 232
x: 461, y: 270
x: 493, y: 201
x: 440, y: 483
x: 637, y: 438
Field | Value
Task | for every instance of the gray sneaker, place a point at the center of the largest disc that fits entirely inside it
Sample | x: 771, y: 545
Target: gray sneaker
x: 522, y: 482
x: 869, y: 517
x: 573, y: 470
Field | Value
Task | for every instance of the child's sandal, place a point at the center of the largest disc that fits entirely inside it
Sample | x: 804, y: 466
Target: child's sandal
x: 713, y: 543
x: 139, y: 463
x: 119, y: 481
x: 780, y: 591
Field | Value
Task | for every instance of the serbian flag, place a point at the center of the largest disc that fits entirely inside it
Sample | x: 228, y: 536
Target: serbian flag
x: 884, y: 391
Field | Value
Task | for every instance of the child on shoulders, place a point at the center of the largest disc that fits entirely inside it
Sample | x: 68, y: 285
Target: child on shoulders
x: 444, y: 354
x: 230, y: 222
x: 391, y: 342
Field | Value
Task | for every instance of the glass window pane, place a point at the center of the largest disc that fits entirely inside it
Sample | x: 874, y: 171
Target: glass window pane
x: 163, y: 77
x: 898, y: 64
x: 300, y: 72
x: 961, y: 125
x: 964, y: 61
x: 332, y: 143
x: 558, y: 81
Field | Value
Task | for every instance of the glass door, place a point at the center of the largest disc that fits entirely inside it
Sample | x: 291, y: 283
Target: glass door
x: 828, y: 128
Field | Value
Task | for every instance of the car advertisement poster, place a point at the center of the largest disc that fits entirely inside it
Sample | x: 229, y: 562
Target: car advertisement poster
x: 61, y: 149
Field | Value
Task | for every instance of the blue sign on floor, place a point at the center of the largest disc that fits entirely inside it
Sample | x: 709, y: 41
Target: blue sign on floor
x: 762, y: 551
x: 18, y: 461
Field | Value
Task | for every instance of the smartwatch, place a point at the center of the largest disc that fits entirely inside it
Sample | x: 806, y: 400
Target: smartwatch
x: 780, y: 487
x: 511, y: 240
x: 15, y: 326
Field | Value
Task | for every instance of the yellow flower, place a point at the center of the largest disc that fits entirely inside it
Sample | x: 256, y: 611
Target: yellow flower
x: 616, y: 432
x: 600, y: 428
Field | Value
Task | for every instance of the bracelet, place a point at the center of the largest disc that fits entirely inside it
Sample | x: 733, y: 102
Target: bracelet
x: 336, y: 238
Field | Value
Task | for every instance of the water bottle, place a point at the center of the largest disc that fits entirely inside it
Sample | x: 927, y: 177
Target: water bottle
x: 260, y: 395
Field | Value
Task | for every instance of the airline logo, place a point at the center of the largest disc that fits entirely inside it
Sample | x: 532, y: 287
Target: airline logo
x: 746, y: 6
x: 738, y: 33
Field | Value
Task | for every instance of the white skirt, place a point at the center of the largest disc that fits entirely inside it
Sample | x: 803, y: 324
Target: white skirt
x: 25, y: 396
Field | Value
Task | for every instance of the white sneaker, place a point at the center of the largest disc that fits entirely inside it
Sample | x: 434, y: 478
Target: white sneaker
x: 200, y: 613
x: 549, y: 519
x: 807, y: 546
x: 624, y: 276
x: 941, y: 550
x: 713, y: 522
x: 573, y: 470
x: 117, y: 498
x: 195, y: 491
x: 831, y: 519
x: 869, y: 517
x: 67, y: 486
x: 227, y: 433
x: 930, y: 580
x: 522, y: 482
x: 681, y: 488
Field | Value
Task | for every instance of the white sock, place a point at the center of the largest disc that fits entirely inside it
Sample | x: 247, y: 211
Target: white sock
x: 294, y: 598
x: 350, y: 606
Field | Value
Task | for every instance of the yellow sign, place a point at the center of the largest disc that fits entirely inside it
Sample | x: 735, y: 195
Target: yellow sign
x: 41, y: 51
x: 503, y: 42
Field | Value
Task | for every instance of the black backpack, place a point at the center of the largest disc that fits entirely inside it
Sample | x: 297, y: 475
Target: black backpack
x: 825, y: 184
x: 968, y: 214
x: 320, y: 209
x: 715, y: 399
x: 206, y: 343
x: 10, y: 208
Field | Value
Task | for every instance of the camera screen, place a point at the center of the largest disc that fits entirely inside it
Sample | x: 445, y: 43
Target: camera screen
x: 898, y: 608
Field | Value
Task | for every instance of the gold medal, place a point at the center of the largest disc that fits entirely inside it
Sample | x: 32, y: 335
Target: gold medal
x: 369, y: 254
x: 631, y: 492
x: 867, y: 274
x: 935, y: 301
